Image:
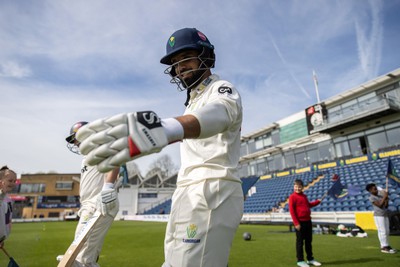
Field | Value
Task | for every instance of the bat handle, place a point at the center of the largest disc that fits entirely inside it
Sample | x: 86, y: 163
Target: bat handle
x: 5, y: 252
x: 322, y: 198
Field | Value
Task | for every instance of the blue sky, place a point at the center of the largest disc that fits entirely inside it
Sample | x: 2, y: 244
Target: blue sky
x: 66, y: 61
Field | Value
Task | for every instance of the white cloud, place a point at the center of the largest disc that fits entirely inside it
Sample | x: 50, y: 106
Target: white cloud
x: 11, y: 69
x: 369, y: 39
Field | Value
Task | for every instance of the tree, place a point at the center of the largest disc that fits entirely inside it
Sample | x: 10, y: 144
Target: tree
x: 165, y: 165
x: 133, y: 168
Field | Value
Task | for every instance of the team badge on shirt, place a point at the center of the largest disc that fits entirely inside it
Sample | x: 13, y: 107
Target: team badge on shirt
x: 225, y: 90
x: 191, y: 232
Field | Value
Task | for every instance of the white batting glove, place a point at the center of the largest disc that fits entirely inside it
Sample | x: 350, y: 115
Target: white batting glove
x: 108, y: 203
x: 111, y: 142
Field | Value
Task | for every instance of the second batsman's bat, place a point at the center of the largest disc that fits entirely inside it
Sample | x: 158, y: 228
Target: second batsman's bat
x: 78, y: 242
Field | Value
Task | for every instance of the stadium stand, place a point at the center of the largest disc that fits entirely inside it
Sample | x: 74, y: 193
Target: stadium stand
x: 275, y: 192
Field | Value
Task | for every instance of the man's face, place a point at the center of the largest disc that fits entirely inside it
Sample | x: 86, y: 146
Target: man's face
x: 298, y: 188
x: 374, y: 190
x: 186, y: 65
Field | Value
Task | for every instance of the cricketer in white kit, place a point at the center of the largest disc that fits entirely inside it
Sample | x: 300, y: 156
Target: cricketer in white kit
x: 91, y: 185
x: 207, y: 205
x: 94, y: 186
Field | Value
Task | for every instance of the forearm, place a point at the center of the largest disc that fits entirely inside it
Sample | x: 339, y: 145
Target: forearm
x: 112, y: 176
x: 191, y: 126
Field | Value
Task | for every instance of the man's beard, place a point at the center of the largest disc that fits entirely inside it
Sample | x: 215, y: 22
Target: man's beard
x: 194, y: 80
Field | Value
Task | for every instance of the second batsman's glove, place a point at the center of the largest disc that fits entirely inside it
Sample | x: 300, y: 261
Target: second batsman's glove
x: 107, y: 202
x: 111, y: 142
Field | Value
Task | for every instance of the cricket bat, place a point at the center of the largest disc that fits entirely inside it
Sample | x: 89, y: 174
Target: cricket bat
x: 78, y: 242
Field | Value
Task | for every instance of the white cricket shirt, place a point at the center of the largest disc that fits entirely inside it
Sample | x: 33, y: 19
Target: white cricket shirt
x: 91, y: 183
x: 215, y: 157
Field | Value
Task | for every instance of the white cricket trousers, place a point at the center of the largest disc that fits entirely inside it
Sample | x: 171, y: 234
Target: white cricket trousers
x: 382, y: 223
x: 87, y: 257
x: 203, y: 221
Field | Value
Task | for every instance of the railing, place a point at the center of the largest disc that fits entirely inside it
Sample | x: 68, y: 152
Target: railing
x: 361, y: 108
x: 341, y: 217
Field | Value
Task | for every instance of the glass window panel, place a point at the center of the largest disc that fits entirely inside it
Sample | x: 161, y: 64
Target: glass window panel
x: 312, y: 156
x: 278, y: 162
x: 325, y: 150
x: 342, y: 149
x: 393, y: 137
x: 252, y: 168
x: 261, y: 167
x: 275, y: 138
x: 334, y: 109
x: 251, y: 146
x: 270, y: 163
x: 355, y: 147
x: 377, y: 141
x: 289, y: 160
x: 349, y: 103
x: 268, y: 141
x: 64, y: 185
x: 300, y: 159
x: 259, y: 144
x: 367, y: 96
x: 243, y: 149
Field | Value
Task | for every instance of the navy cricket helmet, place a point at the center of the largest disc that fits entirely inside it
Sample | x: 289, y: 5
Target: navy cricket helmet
x: 186, y: 39
x: 71, y: 144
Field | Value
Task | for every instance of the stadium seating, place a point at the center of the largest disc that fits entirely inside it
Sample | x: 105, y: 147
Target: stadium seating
x: 273, y: 193
x: 162, y: 208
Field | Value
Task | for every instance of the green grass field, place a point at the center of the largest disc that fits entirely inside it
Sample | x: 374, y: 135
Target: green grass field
x: 141, y: 244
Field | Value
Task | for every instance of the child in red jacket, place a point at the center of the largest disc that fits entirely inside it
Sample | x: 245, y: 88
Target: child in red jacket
x: 299, y: 208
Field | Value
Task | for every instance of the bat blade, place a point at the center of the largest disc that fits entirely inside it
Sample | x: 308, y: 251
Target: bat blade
x: 76, y: 245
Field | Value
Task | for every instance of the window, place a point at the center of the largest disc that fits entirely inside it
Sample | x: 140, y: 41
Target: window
x: 147, y: 195
x: 334, y: 111
x: 275, y: 138
x: 267, y: 140
x: 32, y: 188
x: 270, y: 164
x: 377, y: 141
x: 261, y: 166
x: 252, y: 168
x: 243, y: 149
x: 312, y: 156
x: 66, y: 185
x: 349, y: 104
x: 277, y: 159
x: 342, y: 149
x: 325, y: 151
x: 259, y: 143
x: 367, y: 96
x: 289, y: 159
x: 251, y: 146
x: 243, y: 171
x: 301, y: 160
x: 393, y: 136
x: 355, y: 147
